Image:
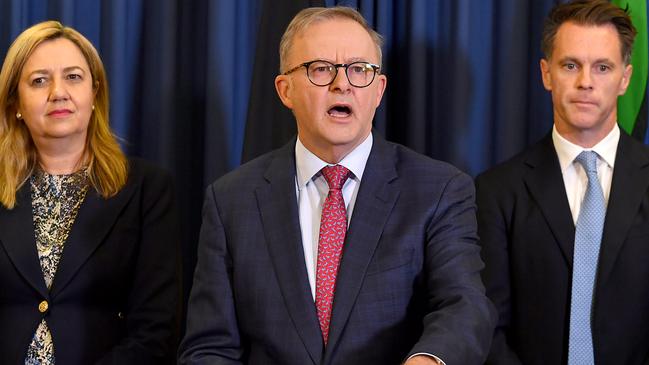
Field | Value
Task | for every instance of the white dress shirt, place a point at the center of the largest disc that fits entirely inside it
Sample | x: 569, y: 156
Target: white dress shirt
x: 574, y: 176
x: 312, y: 189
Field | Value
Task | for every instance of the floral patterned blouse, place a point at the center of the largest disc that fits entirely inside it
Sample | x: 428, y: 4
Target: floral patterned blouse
x: 55, y: 203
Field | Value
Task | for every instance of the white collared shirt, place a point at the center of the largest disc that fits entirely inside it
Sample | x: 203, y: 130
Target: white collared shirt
x: 574, y: 176
x: 311, y: 189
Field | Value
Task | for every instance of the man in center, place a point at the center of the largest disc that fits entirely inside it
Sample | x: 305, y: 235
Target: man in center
x: 340, y: 247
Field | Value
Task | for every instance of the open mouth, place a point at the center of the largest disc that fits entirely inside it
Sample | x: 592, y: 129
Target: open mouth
x: 340, y: 111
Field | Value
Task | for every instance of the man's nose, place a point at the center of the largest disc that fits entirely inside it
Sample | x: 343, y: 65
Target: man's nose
x: 585, y: 81
x: 340, y: 81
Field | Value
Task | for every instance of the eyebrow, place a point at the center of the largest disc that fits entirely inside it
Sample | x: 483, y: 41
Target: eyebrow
x: 348, y: 60
x: 577, y: 61
x: 356, y: 59
x: 65, y: 70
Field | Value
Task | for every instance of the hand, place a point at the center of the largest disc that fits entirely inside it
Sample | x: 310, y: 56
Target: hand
x: 422, y: 360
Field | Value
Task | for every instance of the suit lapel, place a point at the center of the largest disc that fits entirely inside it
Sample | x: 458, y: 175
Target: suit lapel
x: 95, y: 219
x: 279, y: 214
x: 629, y: 184
x: 374, y: 202
x: 545, y: 183
x: 18, y: 238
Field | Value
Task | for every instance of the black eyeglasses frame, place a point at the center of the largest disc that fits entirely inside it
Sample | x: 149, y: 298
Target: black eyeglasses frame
x: 375, y: 67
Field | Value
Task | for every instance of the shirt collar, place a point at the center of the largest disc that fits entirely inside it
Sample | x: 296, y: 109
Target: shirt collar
x: 308, y: 164
x: 568, y: 151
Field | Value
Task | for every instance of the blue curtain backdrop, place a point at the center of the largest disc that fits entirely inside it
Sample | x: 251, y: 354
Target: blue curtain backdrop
x: 190, y: 79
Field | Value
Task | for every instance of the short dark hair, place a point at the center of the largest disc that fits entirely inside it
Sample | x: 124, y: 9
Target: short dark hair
x: 589, y: 12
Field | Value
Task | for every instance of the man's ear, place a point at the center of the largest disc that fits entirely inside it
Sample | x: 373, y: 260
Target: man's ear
x: 283, y: 86
x: 382, y: 82
x: 545, y: 74
x: 626, y: 79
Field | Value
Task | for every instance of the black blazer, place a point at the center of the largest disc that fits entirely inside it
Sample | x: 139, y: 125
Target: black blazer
x: 408, y: 280
x: 114, y: 297
x: 527, y: 234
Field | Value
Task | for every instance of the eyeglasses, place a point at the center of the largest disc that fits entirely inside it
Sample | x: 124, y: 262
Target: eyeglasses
x: 323, y: 73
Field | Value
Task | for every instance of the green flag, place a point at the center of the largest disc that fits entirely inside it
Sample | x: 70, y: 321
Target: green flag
x: 632, y: 106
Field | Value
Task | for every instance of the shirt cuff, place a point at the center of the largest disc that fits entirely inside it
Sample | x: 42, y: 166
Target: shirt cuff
x: 440, y: 361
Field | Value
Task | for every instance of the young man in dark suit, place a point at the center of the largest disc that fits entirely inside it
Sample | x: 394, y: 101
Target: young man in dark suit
x: 339, y: 248
x: 564, y: 226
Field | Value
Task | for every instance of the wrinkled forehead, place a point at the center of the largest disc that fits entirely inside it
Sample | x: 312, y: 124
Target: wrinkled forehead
x: 339, y: 34
x: 582, y: 37
x: 55, y: 53
x: 587, y: 40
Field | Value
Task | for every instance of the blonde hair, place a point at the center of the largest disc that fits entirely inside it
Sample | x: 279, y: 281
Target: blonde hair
x: 107, y: 165
x: 309, y: 16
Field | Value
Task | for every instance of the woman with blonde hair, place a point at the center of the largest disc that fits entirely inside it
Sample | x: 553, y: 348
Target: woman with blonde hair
x: 88, y: 238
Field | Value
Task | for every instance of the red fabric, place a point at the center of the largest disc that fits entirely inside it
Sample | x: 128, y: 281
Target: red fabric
x: 333, y: 226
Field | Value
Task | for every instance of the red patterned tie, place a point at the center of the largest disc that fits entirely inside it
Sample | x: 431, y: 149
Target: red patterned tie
x: 333, y: 226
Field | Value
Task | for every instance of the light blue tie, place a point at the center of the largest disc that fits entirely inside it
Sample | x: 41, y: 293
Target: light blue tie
x: 588, y: 236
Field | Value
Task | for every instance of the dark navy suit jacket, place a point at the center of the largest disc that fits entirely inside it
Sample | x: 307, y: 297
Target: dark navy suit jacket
x: 114, y: 298
x: 409, y: 279
x: 527, y: 233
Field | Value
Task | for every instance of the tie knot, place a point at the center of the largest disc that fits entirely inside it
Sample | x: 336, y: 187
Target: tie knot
x: 588, y: 160
x: 336, y: 176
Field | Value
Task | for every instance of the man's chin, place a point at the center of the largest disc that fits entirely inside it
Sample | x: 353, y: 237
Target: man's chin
x: 585, y: 121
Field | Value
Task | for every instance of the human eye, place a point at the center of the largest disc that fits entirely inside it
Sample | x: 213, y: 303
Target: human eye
x: 321, y: 68
x: 602, y: 68
x: 38, y: 81
x: 74, y: 77
x: 359, y: 68
x: 569, y: 66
